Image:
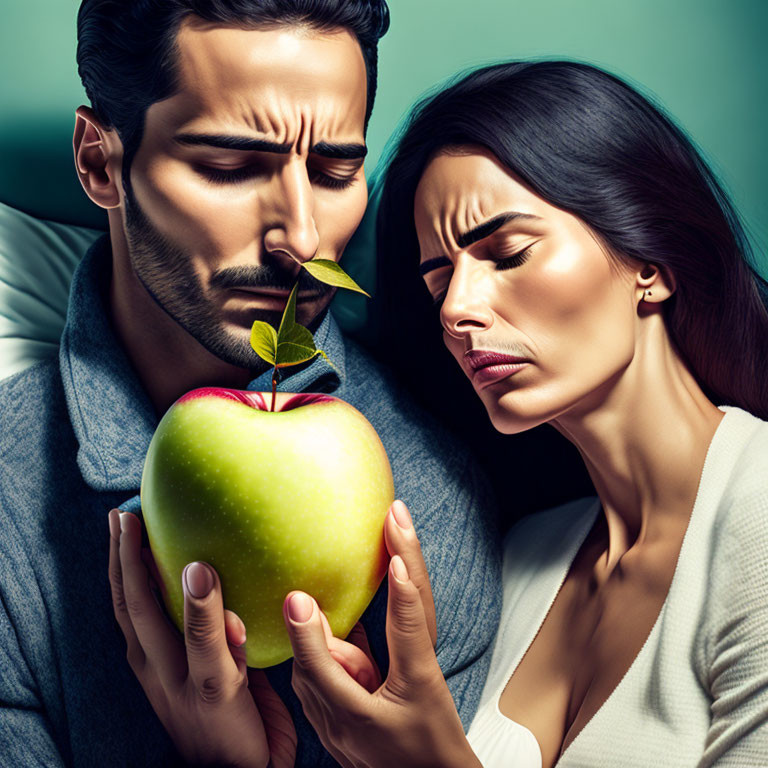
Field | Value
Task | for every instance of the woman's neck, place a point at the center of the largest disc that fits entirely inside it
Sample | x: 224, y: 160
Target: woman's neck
x: 644, y: 443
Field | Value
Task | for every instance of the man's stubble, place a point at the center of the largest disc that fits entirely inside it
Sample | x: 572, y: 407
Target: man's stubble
x: 167, y: 274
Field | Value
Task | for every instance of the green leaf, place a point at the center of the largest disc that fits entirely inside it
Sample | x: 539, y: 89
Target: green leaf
x: 295, y: 347
x: 288, y: 320
x: 293, y: 354
x: 298, y: 334
x: 264, y: 341
x: 329, y: 272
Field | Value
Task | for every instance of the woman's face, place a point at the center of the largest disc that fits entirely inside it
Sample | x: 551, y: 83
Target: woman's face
x: 536, y: 313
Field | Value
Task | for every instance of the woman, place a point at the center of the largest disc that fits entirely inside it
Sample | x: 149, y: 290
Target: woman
x: 590, y: 274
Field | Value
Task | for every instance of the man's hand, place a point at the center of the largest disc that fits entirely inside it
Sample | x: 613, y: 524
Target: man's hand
x: 215, y: 709
x: 408, y: 721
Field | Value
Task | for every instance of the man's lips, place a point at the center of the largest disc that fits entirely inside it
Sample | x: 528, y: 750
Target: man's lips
x: 273, y: 293
x: 487, y: 366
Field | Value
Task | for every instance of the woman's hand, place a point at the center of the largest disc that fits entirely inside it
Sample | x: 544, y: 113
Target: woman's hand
x: 409, y: 720
x: 215, y: 710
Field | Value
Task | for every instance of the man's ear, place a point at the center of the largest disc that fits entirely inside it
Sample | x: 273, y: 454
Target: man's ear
x: 654, y: 283
x: 98, y: 158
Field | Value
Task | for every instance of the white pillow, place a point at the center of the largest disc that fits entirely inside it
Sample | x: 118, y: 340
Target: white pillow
x: 37, y: 259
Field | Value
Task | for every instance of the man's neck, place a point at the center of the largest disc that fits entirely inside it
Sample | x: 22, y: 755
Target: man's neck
x: 167, y: 360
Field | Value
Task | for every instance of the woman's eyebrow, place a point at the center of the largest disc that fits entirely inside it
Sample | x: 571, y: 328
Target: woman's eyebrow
x: 475, y: 234
x: 436, y: 263
x: 490, y: 226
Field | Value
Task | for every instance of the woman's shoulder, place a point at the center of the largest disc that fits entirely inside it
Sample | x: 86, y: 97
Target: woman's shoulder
x: 743, y: 506
x: 733, y: 625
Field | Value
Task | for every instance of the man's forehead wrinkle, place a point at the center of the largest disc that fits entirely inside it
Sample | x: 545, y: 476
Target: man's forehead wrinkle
x: 241, y: 77
x: 308, y: 129
x: 284, y: 121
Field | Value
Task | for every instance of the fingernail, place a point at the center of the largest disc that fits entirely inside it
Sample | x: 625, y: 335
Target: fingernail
x: 114, y: 524
x: 402, y: 515
x: 241, y: 627
x: 300, y: 608
x: 123, y: 521
x: 198, y: 579
x: 398, y: 569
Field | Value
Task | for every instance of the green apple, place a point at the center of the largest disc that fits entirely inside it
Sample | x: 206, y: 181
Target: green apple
x: 275, y: 501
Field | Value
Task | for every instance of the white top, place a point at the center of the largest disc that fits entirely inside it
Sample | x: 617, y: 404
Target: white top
x: 697, y: 693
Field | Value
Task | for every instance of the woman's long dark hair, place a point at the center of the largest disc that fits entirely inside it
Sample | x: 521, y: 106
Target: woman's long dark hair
x: 587, y: 143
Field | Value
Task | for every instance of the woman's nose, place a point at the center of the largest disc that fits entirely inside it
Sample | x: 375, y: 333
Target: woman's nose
x: 466, y: 307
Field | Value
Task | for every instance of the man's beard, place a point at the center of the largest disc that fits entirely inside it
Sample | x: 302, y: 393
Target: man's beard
x: 167, y: 274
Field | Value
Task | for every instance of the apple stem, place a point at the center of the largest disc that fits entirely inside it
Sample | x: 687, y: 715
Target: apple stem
x: 274, y: 388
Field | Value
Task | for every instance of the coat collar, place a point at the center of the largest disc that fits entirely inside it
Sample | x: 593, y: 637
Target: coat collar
x: 111, y: 413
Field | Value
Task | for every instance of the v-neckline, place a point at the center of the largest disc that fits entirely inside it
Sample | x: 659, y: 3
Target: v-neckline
x: 590, y: 517
x: 568, y: 558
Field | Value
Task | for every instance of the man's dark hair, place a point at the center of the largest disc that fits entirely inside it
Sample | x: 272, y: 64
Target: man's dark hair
x: 126, y: 49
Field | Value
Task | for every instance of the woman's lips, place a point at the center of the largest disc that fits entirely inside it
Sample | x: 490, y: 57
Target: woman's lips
x: 488, y: 367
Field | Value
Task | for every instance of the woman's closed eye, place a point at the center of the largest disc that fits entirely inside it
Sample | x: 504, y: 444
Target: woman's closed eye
x: 514, y: 260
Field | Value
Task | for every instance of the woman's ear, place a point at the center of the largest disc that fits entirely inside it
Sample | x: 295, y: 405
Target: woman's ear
x: 98, y: 158
x: 654, y: 283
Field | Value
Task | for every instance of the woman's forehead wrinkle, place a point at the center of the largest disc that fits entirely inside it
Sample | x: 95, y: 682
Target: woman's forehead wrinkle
x: 450, y: 209
x: 446, y: 243
x: 464, y: 218
x: 475, y: 214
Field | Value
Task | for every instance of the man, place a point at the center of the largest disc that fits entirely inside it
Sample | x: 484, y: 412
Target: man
x: 226, y: 140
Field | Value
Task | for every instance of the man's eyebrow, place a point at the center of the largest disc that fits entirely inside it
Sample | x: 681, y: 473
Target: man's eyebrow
x: 340, y: 151
x: 242, y: 143
x: 246, y: 144
x: 490, y: 226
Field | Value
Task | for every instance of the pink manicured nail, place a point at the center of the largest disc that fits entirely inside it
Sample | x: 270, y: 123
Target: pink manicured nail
x: 398, y: 569
x: 123, y: 521
x: 300, y: 608
x: 402, y: 515
x: 198, y: 579
x: 114, y: 524
x: 241, y: 631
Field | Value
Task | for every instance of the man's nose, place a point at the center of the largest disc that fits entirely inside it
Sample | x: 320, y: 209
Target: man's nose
x: 467, y: 304
x: 292, y: 228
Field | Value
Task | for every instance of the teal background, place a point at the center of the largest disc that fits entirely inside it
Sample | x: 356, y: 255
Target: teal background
x: 706, y: 61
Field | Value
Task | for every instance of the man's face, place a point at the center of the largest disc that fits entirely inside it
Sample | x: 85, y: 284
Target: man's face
x: 254, y: 166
